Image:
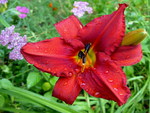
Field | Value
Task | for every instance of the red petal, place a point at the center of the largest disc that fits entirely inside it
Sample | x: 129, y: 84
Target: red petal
x: 67, y: 89
x: 53, y: 56
x: 105, y: 32
x: 107, y: 81
x: 127, y: 55
x: 69, y: 28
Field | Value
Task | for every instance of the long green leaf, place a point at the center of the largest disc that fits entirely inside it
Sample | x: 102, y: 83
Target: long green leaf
x: 15, y: 110
x: 21, y: 93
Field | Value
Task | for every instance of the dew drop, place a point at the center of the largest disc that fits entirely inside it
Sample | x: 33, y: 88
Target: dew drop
x: 127, y: 56
x: 110, y: 80
x: 37, y: 47
x: 65, y: 83
x: 97, y: 93
x: 117, y: 71
x: 94, y: 68
x: 106, y: 72
x: 45, y: 51
x: 121, y: 94
x: 83, y: 84
x: 70, y: 74
x: 80, y: 26
x: 61, y: 38
x: 77, y: 70
x: 115, y: 89
x: 49, y: 69
x: 65, y: 69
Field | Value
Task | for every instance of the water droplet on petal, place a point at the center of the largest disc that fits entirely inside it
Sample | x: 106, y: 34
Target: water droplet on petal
x: 70, y: 74
x: 117, y: 71
x: 121, y: 94
x: 97, y: 93
x: 65, y: 83
x: 61, y: 38
x: 106, y: 72
x: 86, y: 90
x: 94, y: 68
x: 65, y: 69
x: 45, y: 51
x: 83, y: 84
x: 115, y: 89
x: 110, y: 80
x: 127, y: 56
x: 49, y: 69
x: 77, y: 70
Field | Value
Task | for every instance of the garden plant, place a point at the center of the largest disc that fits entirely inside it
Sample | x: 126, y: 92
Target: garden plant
x: 69, y: 56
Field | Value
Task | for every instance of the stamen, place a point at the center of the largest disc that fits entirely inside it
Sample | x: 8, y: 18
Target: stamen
x: 81, y: 54
x: 84, y: 59
x: 87, y: 47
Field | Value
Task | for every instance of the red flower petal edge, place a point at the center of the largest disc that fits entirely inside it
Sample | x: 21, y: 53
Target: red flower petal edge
x: 105, y: 32
x: 67, y: 89
x: 69, y: 28
x: 127, y: 55
x: 48, y: 57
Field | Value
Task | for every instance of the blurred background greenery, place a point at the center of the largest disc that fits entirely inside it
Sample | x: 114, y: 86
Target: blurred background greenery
x: 33, y: 88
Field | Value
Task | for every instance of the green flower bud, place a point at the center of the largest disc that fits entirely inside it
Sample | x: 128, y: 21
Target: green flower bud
x: 134, y: 37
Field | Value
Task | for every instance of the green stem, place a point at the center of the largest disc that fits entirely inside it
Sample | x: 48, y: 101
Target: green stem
x: 101, y: 105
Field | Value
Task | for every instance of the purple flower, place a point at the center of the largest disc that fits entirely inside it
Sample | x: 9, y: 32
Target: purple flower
x: 80, y: 8
x: 6, y: 35
x: 22, y: 16
x: 3, y: 1
x: 13, y: 41
x: 22, y: 9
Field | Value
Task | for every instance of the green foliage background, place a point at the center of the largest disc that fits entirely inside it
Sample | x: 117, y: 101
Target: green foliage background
x: 24, y: 89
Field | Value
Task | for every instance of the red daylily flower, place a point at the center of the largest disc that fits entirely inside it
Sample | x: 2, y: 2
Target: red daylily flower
x: 87, y: 57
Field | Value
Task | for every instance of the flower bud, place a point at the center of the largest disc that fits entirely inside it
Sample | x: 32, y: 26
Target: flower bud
x: 46, y: 86
x: 134, y: 37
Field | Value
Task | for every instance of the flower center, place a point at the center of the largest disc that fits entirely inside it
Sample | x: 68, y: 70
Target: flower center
x: 86, y: 57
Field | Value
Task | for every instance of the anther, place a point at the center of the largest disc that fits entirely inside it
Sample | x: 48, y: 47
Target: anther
x: 87, y: 47
x: 81, y: 54
x: 84, y: 59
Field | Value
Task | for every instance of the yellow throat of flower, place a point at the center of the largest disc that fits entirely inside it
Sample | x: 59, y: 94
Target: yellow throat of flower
x: 86, y: 57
